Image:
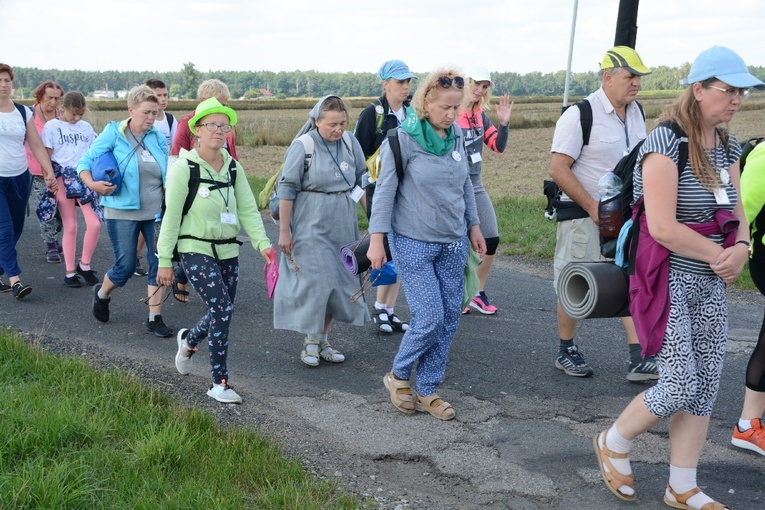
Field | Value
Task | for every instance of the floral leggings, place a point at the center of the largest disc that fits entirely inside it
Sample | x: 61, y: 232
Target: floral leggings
x: 48, y: 229
x: 215, y: 281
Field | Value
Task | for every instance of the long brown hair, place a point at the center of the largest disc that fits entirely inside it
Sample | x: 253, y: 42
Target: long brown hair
x: 686, y: 113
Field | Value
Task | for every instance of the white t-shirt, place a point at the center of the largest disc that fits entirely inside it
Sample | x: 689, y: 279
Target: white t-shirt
x: 13, y: 156
x: 163, y: 128
x: 608, y: 141
x: 68, y: 141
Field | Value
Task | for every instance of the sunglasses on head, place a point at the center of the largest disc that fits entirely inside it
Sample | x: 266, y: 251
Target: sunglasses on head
x: 447, y: 81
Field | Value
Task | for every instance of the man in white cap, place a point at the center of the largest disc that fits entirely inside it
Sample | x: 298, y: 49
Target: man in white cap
x: 588, y: 141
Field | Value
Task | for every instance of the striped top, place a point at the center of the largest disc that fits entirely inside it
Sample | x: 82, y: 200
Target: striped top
x: 694, y: 203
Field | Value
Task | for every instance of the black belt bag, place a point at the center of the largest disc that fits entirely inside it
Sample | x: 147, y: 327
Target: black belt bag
x: 570, y: 211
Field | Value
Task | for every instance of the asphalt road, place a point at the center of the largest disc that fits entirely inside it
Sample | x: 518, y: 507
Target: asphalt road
x: 522, y: 438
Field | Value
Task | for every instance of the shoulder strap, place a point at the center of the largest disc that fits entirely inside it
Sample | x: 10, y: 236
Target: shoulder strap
x: 22, y: 110
x: 585, y: 119
x: 232, y: 171
x: 308, y: 146
x: 640, y: 107
x: 170, y: 121
x: 395, y: 147
x: 193, y: 186
x: 379, y: 116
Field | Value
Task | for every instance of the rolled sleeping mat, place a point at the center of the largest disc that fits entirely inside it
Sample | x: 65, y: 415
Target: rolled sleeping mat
x: 593, y: 290
x: 354, y: 255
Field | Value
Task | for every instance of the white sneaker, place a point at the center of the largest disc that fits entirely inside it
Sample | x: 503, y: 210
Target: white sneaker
x: 224, y: 393
x: 183, y: 361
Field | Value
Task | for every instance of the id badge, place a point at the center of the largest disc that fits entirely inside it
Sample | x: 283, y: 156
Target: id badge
x: 228, y: 218
x: 146, y: 156
x: 475, y: 158
x: 357, y: 193
x: 721, y: 197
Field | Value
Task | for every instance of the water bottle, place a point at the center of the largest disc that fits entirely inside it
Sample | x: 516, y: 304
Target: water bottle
x: 157, y: 228
x: 610, y: 207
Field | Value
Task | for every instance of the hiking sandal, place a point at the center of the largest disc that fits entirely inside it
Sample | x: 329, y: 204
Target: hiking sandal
x: 401, y: 395
x: 327, y: 353
x: 613, y: 478
x: 4, y: 287
x: 310, y: 353
x: 675, y: 500
x: 398, y: 326
x: 383, y: 325
x: 20, y: 291
x: 436, y: 406
x: 181, y: 294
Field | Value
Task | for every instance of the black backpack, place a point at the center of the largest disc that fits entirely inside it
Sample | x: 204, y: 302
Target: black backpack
x: 748, y: 146
x: 625, y: 169
x: 549, y: 188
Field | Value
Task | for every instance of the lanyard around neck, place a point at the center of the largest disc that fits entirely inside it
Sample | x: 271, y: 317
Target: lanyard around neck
x: 228, y: 187
x: 336, y: 157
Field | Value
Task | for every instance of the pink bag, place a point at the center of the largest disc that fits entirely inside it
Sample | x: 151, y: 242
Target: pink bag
x: 271, y: 272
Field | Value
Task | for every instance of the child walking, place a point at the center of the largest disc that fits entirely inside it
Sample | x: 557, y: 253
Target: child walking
x: 67, y: 139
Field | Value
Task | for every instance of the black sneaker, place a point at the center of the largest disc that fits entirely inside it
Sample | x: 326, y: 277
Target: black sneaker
x: 158, y: 327
x: 89, y: 276
x: 646, y: 370
x: 100, y: 306
x: 72, y: 281
x: 139, y: 271
x: 571, y: 362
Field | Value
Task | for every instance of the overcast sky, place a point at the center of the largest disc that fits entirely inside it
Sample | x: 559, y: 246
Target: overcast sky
x: 343, y: 35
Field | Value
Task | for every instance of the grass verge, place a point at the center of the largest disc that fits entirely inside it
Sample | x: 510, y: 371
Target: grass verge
x: 74, y: 437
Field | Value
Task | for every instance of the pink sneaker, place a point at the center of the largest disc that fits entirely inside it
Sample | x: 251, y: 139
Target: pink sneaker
x: 481, y: 303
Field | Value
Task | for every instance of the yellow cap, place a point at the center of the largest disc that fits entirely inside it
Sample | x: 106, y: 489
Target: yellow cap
x: 626, y: 57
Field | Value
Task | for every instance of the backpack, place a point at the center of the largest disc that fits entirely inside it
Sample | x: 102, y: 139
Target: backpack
x: 626, y: 242
x: 549, y: 188
x: 746, y: 147
x: 373, y: 161
x: 269, y: 197
x: 22, y: 110
x: 170, y: 121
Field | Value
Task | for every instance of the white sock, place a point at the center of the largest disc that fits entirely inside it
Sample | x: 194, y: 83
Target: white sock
x: 322, y: 338
x: 684, y: 479
x: 744, y: 425
x: 152, y: 316
x: 618, y: 444
x: 380, y: 306
x: 101, y: 294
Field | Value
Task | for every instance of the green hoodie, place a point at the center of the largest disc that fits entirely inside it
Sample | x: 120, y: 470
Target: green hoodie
x: 204, y: 218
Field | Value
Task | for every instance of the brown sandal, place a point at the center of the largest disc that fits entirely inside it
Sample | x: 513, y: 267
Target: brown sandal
x: 401, y: 395
x: 680, y: 500
x: 436, y: 406
x: 613, y: 478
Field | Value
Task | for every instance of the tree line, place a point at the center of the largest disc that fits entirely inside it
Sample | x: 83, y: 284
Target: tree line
x: 284, y: 84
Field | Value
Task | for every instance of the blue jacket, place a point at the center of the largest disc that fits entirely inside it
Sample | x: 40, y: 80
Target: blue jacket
x: 113, y: 139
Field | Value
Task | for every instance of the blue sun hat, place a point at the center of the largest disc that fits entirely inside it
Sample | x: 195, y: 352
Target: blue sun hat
x: 395, y: 69
x: 725, y: 65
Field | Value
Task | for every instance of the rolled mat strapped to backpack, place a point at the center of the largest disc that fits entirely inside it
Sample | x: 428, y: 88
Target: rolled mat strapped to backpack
x: 593, y: 290
x: 354, y: 255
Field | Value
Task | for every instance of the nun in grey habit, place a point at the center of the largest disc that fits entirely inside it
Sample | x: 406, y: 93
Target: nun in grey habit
x: 317, y: 207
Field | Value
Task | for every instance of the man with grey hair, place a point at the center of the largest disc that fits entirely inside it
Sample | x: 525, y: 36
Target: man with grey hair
x: 589, y: 140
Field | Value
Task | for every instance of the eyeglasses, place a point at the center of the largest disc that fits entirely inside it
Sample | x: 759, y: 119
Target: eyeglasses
x: 212, y: 127
x: 447, y: 81
x: 147, y: 300
x: 733, y: 92
x: 365, y: 286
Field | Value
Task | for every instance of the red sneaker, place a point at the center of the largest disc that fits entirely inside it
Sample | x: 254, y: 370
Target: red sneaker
x: 752, y: 439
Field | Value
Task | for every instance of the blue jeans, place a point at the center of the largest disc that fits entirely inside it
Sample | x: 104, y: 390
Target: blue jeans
x: 14, y: 194
x: 124, y: 237
x: 432, y: 275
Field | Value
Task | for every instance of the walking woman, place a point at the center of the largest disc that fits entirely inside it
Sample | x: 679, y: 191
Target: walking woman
x: 48, y: 97
x: 478, y: 130
x: 430, y: 217
x: 206, y: 238
x: 385, y: 113
x: 16, y: 127
x: 749, y: 432
x: 317, y: 207
x: 141, y: 153
x: 683, y: 210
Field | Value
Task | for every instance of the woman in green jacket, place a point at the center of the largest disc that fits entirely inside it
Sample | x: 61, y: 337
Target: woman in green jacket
x: 206, y: 238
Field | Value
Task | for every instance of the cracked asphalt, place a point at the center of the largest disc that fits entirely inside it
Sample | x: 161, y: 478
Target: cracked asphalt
x: 522, y: 438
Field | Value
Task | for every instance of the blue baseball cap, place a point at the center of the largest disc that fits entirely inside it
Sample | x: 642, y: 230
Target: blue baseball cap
x: 725, y: 65
x: 394, y: 69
